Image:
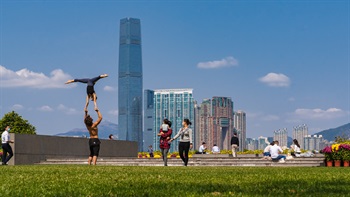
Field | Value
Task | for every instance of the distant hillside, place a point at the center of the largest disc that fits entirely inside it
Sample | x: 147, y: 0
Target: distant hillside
x: 330, y: 134
x: 104, y: 130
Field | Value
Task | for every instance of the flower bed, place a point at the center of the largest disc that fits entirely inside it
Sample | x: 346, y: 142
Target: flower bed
x: 337, y: 152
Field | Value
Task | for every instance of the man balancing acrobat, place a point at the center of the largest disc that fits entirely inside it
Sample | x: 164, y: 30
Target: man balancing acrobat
x: 94, y: 142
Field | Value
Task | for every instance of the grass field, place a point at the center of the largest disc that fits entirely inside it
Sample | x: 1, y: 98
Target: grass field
x: 77, y: 180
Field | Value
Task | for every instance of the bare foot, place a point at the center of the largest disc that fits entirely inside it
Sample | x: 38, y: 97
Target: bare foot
x: 104, y: 75
x: 69, y: 81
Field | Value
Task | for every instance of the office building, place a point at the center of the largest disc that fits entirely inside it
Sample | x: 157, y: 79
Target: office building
x: 281, y: 136
x: 252, y: 144
x: 148, y: 119
x: 299, y: 132
x: 240, y: 128
x: 130, y: 81
x: 175, y: 105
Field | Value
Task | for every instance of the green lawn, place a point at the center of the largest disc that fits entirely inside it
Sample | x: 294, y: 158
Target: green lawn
x: 74, y: 180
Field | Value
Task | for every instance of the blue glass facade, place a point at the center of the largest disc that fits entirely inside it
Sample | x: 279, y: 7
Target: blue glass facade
x: 148, y: 115
x: 175, y: 105
x: 130, y: 81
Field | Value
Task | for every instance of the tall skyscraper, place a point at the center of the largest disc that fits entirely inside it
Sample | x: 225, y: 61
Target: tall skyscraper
x: 204, y: 121
x: 148, y: 119
x: 299, y: 132
x: 175, y: 105
x: 130, y: 81
x: 281, y: 136
x: 240, y: 127
x: 221, y: 122
x: 196, y: 125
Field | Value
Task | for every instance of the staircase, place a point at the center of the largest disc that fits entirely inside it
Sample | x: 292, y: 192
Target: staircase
x: 217, y: 160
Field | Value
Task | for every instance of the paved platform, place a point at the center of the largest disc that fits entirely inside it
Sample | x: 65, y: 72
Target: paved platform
x: 220, y: 160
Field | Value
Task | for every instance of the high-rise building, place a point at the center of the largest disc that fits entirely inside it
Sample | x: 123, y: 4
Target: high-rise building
x: 204, y: 120
x: 221, y: 122
x: 196, y: 126
x: 148, y: 119
x: 262, y: 143
x: 281, y: 136
x: 314, y: 142
x: 130, y: 81
x: 240, y: 127
x: 175, y: 105
x: 299, y: 132
x: 252, y: 143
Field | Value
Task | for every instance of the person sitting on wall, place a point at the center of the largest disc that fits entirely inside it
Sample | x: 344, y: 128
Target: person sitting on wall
x: 215, y: 149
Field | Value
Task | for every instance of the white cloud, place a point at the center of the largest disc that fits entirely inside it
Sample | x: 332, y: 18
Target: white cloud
x: 27, y: 78
x: 319, y: 114
x: 109, y: 88
x: 17, y: 107
x: 270, y: 118
x: 113, y: 112
x: 275, y: 80
x: 45, y: 108
x: 67, y: 110
x: 225, y: 62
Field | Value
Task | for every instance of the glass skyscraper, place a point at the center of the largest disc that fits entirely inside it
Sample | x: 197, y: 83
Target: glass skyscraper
x: 148, y: 121
x: 130, y: 81
x: 175, y: 105
x: 240, y: 126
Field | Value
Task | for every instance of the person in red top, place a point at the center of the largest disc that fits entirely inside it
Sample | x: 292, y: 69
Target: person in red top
x: 164, y: 144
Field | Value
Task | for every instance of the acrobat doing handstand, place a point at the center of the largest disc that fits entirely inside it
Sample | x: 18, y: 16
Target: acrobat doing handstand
x: 91, y: 94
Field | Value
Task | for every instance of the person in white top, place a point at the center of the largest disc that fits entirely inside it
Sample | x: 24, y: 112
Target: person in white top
x: 267, y: 154
x: 296, y: 148
x: 6, y: 148
x: 202, y: 148
x: 275, y: 150
x: 215, y: 149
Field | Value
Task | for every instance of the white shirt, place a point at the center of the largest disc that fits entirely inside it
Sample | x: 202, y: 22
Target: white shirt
x: 5, y: 137
x: 215, y: 149
x: 267, y: 149
x: 201, y: 149
x: 296, y: 149
x: 274, y: 151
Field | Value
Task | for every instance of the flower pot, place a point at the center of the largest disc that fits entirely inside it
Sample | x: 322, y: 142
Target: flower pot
x: 337, y: 163
x: 329, y: 163
x: 346, y: 163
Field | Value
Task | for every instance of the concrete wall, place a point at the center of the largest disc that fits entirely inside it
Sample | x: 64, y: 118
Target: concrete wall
x: 30, y: 149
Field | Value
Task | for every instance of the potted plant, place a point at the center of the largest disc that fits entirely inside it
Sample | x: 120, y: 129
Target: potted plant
x: 336, y: 155
x: 345, y: 152
x: 327, y: 151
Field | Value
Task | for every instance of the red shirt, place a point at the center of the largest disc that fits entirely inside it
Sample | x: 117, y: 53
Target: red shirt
x: 163, y: 141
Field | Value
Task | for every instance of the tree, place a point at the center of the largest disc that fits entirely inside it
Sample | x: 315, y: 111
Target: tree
x: 17, y: 124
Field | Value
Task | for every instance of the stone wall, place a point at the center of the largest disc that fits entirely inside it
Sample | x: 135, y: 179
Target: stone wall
x: 30, y: 149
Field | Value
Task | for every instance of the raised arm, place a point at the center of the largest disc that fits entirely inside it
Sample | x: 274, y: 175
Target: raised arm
x: 99, y: 119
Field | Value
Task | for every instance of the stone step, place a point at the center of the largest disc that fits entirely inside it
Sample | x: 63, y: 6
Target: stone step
x: 212, y: 160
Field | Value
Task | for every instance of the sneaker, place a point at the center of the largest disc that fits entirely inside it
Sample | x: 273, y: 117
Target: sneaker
x: 282, y: 161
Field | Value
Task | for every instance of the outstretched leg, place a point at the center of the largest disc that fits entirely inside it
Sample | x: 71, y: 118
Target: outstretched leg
x: 94, y: 98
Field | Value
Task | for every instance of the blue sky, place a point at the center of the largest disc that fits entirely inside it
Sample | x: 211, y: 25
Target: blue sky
x: 284, y: 63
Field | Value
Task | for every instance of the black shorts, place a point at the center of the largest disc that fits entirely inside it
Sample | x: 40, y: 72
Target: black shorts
x: 94, y: 144
x: 90, y: 90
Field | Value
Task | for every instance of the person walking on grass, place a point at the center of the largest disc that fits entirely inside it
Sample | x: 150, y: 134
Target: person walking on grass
x: 164, y: 141
x: 90, y: 91
x: 275, y: 150
x: 94, y: 142
x: 185, y: 134
x: 6, y: 148
x: 234, y: 144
